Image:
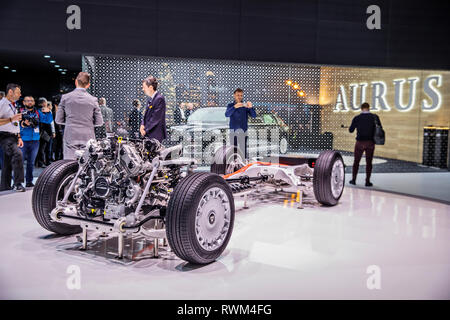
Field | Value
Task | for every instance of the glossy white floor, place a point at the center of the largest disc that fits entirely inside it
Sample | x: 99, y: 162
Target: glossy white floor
x: 276, y: 252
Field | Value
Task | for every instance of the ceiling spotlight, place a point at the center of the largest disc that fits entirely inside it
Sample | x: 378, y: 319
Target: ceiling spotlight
x: 288, y: 82
x: 63, y: 72
x: 57, y: 65
x: 52, y: 61
x: 301, y: 93
x: 60, y: 69
x: 13, y: 70
x: 5, y: 67
x: 295, y: 86
x: 47, y: 56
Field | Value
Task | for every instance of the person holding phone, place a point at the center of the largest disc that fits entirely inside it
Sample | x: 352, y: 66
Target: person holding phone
x: 238, y: 112
x: 364, y: 123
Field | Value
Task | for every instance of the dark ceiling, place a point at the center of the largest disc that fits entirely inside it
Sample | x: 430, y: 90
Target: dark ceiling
x: 36, y: 75
x: 34, y: 61
x: 412, y: 32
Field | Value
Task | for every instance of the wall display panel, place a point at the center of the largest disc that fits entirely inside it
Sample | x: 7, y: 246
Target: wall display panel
x: 307, y: 108
x: 405, y: 100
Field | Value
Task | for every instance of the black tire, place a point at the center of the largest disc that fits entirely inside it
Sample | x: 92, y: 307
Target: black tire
x: 44, y: 196
x: 221, y: 159
x: 181, y: 217
x: 324, y: 176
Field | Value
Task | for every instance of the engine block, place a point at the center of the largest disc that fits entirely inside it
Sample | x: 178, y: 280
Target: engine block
x: 114, y: 174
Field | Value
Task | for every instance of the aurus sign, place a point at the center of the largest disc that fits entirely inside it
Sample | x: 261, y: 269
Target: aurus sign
x: 379, y: 89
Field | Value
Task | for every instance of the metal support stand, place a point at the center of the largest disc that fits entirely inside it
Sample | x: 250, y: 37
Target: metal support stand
x: 120, y: 245
x: 156, y: 248
x: 300, y: 199
x: 84, y: 239
x: 245, y: 201
x: 168, y: 248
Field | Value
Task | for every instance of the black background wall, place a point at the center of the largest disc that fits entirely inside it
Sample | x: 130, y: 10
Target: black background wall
x: 37, y: 86
x: 414, y: 33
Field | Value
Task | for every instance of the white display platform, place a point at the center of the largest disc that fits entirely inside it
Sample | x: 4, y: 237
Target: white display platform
x: 277, y: 251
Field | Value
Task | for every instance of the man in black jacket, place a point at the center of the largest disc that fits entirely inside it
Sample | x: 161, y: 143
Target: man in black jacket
x: 59, y: 131
x: 364, y: 123
x: 179, y: 114
x: 135, y: 118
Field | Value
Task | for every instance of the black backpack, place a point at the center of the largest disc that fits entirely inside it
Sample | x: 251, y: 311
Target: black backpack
x: 379, y: 135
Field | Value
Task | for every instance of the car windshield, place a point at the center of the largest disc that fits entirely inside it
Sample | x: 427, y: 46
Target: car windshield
x: 212, y: 115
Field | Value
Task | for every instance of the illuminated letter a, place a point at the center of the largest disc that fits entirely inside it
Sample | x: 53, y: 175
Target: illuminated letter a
x: 74, y: 20
x: 374, y: 21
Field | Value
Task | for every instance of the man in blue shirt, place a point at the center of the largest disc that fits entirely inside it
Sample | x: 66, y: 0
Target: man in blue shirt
x: 238, y: 113
x: 29, y: 131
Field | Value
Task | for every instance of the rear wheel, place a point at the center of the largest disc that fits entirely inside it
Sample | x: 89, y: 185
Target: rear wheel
x: 200, y: 217
x: 227, y: 159
x: 50, y: 187
x: 329, y: 178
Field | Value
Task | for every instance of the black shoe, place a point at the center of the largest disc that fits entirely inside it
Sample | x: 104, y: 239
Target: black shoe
x: 41, y: 165
x: 369, y: 184
x: 29, y: 185
x: 19, y: 188
x: 353, y: 182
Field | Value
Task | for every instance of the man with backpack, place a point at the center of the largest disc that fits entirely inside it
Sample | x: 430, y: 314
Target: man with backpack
x: 366, y: 125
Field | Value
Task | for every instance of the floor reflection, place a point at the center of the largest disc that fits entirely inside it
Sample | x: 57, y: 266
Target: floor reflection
x: 281, y: 248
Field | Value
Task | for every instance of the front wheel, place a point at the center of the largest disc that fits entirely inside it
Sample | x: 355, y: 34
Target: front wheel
x: 200, y: 217
x: 329, y: 178
x: 50, y: 187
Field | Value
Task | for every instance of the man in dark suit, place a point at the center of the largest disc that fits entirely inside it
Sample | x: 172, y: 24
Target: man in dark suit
x: 135, y: 118
x: 179, y: 114
x: 189, y: 110
x: 154, y: 122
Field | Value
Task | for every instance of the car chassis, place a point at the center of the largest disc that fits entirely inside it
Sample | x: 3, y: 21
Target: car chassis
x: 324, y: 174
x: 137, y: 188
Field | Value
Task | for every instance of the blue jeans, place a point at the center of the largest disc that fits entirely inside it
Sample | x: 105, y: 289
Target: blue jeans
x: 29, y: 151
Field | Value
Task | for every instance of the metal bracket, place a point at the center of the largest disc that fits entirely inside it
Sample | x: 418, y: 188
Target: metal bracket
x: 84, y: 239
x: 245, y: 201
x: 120, y: 240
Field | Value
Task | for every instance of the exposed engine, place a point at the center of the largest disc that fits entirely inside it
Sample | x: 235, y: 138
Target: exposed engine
x: 115, y: 174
